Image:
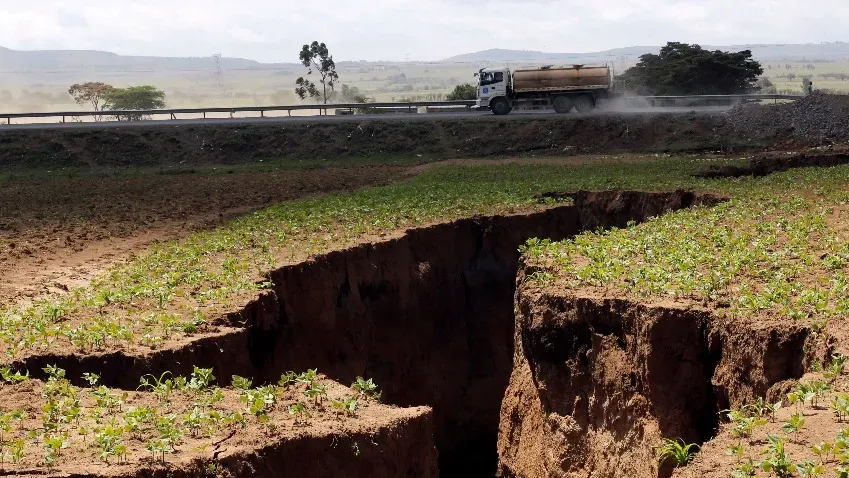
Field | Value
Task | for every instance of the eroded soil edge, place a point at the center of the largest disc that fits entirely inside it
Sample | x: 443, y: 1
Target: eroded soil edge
x: 597, y: 382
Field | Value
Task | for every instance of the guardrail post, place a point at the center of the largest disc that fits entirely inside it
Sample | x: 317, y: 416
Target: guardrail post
x: 204, y: 115
x: 173, y: 117
x: 262, y: 113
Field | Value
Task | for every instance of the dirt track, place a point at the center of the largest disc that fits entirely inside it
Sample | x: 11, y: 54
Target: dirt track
x: 57, y: 233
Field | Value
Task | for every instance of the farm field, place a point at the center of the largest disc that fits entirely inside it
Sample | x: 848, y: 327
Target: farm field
x: 366, y: 314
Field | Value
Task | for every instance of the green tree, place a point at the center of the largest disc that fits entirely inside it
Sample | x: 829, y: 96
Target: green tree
x: 463, y: 92
x: 134, y: 98
x: 316, y: 57
x: 91, y: 93
x: 683, y: 69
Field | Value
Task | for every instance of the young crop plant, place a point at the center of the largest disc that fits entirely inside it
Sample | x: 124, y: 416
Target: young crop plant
x: 110, y: 442
x: 201, y: 379
x: 347, y: 406
x: 777, y: 461
x: 287, y: 380
x: 836, y: 368
x: 317, y: 392
x: 746, y: 469
x: 300, y: 412
x: 54, y: 445
x: 824, y: 451
x: 10, y: 376
x: 109, y: 402
x: 259, y: 401
x: 677, y: 451
x: 762, y: 409
x: 366, y: 388
x: 796, y: 422
x: 808, y: 469
x: 840, y: 405
x: 736, y: 451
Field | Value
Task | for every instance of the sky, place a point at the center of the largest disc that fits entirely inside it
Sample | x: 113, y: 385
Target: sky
x: 396, y: 30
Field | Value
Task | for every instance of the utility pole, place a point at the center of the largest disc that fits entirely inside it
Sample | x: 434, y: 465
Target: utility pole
x: 219, y: 74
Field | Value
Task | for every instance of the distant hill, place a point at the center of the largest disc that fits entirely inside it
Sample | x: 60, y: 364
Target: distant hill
x: 763, y: 52
x: 105, y: 62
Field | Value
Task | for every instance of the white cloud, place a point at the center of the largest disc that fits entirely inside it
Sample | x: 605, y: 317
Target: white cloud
x: 390, y: 29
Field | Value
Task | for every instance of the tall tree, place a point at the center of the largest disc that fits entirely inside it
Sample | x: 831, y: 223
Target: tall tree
x: 683, y: 69
x: 135, y: 98
x: 91, y: 93
x: 316, y: 57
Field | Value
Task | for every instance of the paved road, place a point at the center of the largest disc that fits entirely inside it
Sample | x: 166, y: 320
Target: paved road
x: 474, y: 115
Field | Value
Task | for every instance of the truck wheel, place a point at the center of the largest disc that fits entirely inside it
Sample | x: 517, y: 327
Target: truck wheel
x: 584, y: 104
x: 563, y: 104
x: 500, y: 106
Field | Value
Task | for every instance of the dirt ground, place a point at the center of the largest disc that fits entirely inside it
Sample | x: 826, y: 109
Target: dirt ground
x: 57, y: 233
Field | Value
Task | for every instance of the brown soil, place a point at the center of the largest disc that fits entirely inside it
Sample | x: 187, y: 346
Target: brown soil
x: 821, y: 426
x: 428, y: 315
x: 425, y: 139
x: 598, y: 382
x: 376, y: 441
x: 57, y: 233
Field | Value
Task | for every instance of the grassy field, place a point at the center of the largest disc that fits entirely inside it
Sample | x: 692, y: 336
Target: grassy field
x: 177, y: 286
x: 821, y: 73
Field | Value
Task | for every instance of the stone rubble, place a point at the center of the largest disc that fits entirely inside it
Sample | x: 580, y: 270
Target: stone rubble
x: 818, y: 117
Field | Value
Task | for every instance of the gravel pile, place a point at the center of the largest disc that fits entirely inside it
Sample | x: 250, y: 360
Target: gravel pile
x: 817, y: 117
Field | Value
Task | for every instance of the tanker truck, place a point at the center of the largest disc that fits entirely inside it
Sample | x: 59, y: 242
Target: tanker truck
x: 562, y: 88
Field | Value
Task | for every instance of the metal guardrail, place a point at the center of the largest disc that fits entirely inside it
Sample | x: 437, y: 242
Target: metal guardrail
x: 240, y: 109
x: 347, y: 106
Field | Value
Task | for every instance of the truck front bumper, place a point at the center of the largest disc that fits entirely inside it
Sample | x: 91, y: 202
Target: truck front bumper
x: 482, y: 103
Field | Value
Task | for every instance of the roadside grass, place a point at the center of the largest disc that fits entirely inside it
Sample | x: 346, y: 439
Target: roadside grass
x: 177, y: 289
x: 71, y: 172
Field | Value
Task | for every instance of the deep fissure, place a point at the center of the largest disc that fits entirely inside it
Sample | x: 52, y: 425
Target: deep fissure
x: 428, y: 315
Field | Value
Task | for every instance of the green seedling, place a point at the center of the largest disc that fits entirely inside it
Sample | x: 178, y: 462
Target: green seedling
x: 300, y: 412
x: 316, y: 391
x: 259, y: 401
x: 736, y: 451
x: 746, y: 469
x: 366, y: 388
x: 91, y: 379
x: 9, y: 376
x: 287, y: 380
x: 241, y: 383
x: 201, y: 379
x: 347, y: 406
x: 676, y: 451
x: 110, y: 441
x: 54, y: 446
x: 796, y: 422
x: 808, y: 469
x: 823, y: 451
x: 308, y: 377
x: 777, y: 461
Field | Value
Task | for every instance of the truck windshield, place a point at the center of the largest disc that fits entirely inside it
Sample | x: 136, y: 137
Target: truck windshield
x: 490, y: 78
